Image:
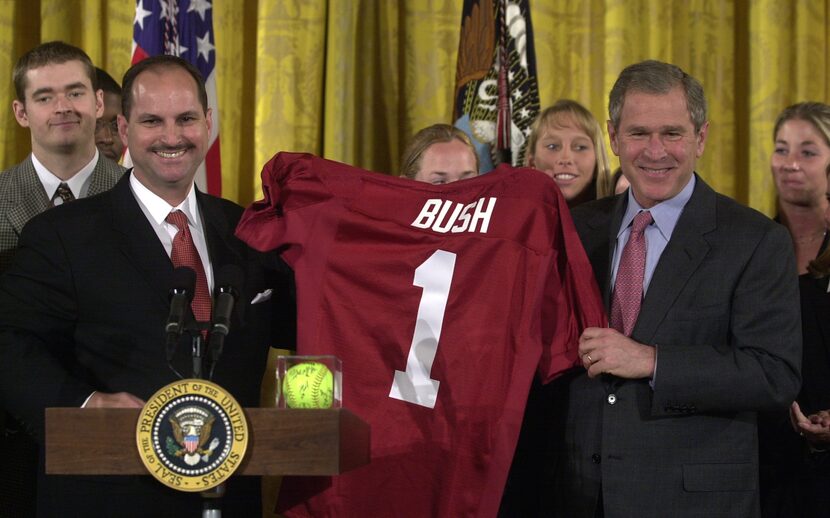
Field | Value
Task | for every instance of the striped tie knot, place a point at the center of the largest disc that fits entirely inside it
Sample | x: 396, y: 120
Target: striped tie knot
x: 184, y: 253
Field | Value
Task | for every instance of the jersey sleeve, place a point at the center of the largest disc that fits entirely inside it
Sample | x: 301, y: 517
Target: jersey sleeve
x: 292, y: 199
x: 571, y: 300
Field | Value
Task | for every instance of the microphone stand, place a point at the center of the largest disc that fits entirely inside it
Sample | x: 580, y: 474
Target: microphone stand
x: 197, y: 349
x: 225, y: 297
x: 218, y: 328
x: 211, y: 498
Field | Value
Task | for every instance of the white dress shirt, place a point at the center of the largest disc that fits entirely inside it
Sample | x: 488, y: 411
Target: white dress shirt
x: 156, y: 210
x: 78, y: 184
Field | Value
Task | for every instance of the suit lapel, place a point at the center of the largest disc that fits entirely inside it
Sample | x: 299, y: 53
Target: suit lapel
x: 682, y: 256
x: 599, y: 242
x: 218, y: 233
x: 138, y: 241
x: 223, y: 247
x: 821, y: 301
x: 818, y: 296
x: 104, y: 175
x: 611, y: 243
x: 30, y: 199
x: 141, y: 245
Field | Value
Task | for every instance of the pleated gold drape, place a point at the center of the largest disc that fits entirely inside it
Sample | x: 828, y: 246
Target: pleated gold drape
x: 352, y: 79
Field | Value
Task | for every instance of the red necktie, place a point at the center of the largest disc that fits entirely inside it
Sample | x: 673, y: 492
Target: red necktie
x: 185, y: 254
x: 628, y: 289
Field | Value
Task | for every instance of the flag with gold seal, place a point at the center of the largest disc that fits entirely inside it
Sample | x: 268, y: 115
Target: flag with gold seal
x: 496, y: 93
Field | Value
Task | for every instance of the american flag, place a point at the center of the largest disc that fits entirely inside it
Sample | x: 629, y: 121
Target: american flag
x: 184, y: 28
x: 496, y: 91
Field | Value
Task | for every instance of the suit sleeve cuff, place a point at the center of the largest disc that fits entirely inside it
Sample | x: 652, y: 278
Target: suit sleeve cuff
x: 653, y: 380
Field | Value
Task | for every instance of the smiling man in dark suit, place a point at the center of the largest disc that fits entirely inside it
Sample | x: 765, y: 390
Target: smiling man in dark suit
x: 85, y: 302
x: 703, y: 302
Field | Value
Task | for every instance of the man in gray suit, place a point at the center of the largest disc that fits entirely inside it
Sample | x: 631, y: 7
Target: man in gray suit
x: 58, y: 101
x: 662, y: 421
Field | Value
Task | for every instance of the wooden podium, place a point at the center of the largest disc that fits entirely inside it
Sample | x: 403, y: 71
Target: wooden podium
x: 87, y: 441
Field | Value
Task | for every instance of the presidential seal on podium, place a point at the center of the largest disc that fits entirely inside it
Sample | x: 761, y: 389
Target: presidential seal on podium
x: 192, y: 435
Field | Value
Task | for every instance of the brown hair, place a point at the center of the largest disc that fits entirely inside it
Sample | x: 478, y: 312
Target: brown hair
x: 557, y: 115
x: 157, y: 63
x: 817, y: 114
x: 820, y: 266
x: 52, y: 52
x: 437, y: 133
x: 656, y: 77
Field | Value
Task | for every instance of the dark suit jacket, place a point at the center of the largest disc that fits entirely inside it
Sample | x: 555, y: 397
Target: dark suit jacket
x: 22, y: 197
x: 795, y: 481
x: 722, y: 310
x: 815, y: 308
x: 83, y: 308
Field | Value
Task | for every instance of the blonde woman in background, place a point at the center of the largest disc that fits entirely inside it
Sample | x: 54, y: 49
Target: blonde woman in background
x: 799, y: 164
x: 566, y: 142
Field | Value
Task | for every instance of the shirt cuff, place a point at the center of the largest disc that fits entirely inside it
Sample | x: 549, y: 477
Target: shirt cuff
x: 653, y: 379
x: 88, y: 398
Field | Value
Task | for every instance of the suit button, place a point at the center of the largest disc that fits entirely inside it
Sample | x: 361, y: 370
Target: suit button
x: 612, y: 398
x: 595, y: 458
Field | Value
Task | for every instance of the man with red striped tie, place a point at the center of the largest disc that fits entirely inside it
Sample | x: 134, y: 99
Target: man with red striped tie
x: 86, y: 300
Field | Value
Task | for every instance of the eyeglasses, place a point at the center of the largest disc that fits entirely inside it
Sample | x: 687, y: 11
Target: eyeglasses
x: 111, y: 126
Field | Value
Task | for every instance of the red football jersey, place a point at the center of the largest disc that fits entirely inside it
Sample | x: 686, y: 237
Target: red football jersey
x: 441, y: 302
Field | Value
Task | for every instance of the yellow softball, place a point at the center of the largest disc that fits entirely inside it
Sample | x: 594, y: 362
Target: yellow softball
x: 308, y: 385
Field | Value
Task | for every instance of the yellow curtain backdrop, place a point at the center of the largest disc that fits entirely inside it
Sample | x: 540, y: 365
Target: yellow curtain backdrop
x: 352, y: 80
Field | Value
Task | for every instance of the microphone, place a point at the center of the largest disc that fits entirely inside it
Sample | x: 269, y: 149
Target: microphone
x: 228, y: 279
x: 184, y: 285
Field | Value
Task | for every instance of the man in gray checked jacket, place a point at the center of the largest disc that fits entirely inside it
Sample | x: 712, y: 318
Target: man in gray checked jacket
x: 58, y: 101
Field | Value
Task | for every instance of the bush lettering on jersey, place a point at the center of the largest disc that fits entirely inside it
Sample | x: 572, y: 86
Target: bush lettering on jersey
x: 447, y: 216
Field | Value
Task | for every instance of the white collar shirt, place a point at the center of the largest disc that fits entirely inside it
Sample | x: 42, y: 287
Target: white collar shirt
x: 156, y: 211
x: 665, y: 215
x: 78, y: 184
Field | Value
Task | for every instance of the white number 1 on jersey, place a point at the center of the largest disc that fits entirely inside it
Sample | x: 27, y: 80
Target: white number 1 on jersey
x: 415, y: 385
